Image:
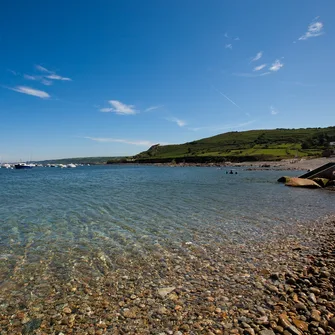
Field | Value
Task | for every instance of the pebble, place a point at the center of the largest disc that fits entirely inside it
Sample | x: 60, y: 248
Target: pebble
x: 267, y: 332
x: 164, y: 291
x: 280, y: 287
x: 302, y: 325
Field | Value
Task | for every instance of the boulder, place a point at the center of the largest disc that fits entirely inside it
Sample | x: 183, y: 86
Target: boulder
x: 284, y: 179
x: 301, y: 182
x: 321, y: 181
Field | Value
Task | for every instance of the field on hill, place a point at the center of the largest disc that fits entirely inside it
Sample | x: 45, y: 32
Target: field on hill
x: 253, y: 145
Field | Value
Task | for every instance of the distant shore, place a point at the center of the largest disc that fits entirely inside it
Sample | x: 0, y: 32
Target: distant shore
x: 287, y: 164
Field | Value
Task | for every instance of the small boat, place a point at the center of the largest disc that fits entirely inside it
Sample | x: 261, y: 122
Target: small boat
x: 23, y: 166
x: 6, y: 166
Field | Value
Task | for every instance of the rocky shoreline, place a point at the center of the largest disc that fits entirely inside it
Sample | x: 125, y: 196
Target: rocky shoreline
x: 282, y: 165
x: 281, y: 284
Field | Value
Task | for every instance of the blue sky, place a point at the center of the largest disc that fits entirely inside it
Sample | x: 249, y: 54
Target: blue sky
x: 111, y: 78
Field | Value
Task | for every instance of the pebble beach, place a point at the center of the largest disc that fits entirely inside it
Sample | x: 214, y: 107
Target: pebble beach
x: 283, y: 284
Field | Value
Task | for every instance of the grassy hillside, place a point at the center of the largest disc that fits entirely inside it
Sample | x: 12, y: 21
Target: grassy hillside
x: 250, y: 145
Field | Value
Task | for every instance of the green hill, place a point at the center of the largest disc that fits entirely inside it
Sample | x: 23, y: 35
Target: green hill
x: 252, y: 145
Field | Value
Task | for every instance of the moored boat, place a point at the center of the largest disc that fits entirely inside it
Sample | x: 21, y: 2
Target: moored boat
x: 22, y: 166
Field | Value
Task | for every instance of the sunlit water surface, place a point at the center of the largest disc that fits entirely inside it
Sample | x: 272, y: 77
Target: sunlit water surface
x: 116, y: 213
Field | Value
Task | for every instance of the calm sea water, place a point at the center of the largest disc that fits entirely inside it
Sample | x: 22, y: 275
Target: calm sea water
x: 110, y: 211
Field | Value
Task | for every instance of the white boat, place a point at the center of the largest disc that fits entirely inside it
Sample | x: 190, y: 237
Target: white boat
x: 6, y: 166
x: 71, y: 165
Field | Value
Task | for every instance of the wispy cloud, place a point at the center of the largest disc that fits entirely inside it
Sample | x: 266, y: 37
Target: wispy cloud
x: 251, y: 75
x: 257, y: 57
x: 235, y: 39
x: 42, y: 69
x: 119, y: 108
x: 223, y: 127
x: 46, y: 77
x: 58, y: 77
x: 273, y: 110
x: 314, y: 29
x: 180, y: 123
x: 153, y: 108
x: 229, y: 46
x: 41, y: 79
x: 46, y: 82
x: 276, y: 66
x: 31, y: 91
x: 117, y: 140
x: 13, y: 72
x: 260, y: 67
x: 51, y: 74
x: 28, y: 77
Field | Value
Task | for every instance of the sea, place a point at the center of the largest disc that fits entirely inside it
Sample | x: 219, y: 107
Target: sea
x: 113, y: 214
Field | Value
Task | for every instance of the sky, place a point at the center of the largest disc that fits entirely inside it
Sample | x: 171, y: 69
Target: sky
x: 112, y: 78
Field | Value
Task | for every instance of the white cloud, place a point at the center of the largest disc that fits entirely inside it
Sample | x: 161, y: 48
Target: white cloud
x: 260, y: 67
x: 46, y: 82
x: 51, y: 75
x: 276, y: 66
x: 250, y: 75
x: 119, y: 108
x: 58, y: 77
x: 28, y: 77
x: 314, y: 29
x: 179, y: 122
x: 31, y: 91
x: 229, y: 46
x: 273, y: 110
x: 258, y: 56
x: 236, y: 39
x: 41, y: 79
x: 13, y: 72
x: 153, y: 108
x: 116, y: 140
x: 42, y: 69
x: 226, y: 35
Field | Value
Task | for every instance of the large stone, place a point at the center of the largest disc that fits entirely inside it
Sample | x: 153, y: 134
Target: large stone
x: 332, y: 323
x: 284, y: 321
x: 301, y: 182
x: 284, y: 179
x: 294, y: 330
x: 267, y: 332
x: 321, y: 181
x: 164, y: 291
x: 302, y: 325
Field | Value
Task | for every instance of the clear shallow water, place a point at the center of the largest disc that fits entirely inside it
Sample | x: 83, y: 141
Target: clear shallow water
x: 111, y: 214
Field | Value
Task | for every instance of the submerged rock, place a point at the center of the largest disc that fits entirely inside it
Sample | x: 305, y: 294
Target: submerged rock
x: 164, y: 291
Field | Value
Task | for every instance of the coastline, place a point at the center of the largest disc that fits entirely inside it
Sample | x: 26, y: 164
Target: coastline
x: 283, y: 284
x: 287, y: 164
